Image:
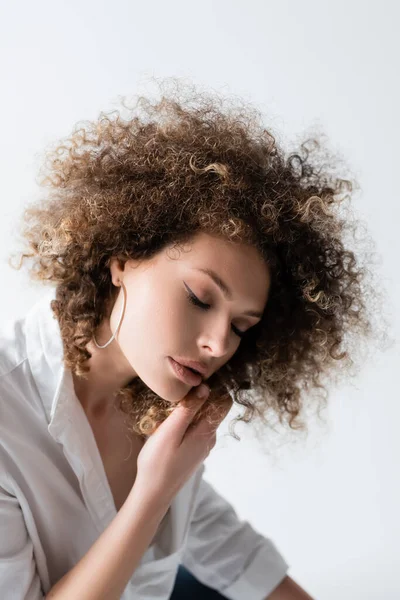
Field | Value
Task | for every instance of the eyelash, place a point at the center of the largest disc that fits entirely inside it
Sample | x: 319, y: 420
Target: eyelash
x: 194, y: 300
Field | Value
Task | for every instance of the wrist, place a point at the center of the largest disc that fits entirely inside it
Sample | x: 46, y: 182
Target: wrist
x: 146, y: 504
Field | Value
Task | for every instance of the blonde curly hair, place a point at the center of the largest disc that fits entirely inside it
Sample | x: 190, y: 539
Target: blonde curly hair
x: 129, y: 187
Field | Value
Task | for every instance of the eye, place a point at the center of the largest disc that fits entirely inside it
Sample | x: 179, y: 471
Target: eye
x: 194, y: 300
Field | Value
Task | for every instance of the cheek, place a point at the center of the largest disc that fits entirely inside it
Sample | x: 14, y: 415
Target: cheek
x: 175, y: 326
x: 161, y: 314
x: 152, y: 322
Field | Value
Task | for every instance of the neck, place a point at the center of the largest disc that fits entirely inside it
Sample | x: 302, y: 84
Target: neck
x: 109, y: 371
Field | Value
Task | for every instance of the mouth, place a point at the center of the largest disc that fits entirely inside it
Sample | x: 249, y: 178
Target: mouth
x: 186, y: 374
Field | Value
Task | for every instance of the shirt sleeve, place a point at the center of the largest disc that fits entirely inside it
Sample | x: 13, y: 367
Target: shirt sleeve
x: 19, y: 579
x: 226, y: 553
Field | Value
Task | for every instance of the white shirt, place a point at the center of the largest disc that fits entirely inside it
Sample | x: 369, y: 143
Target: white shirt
x: 55, y: 499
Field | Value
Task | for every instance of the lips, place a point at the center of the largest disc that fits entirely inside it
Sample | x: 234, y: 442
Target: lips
x: 196, y: 365
x: 184, y: 373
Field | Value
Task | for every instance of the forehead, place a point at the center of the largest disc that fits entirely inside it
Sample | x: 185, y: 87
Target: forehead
x: 214, y: 248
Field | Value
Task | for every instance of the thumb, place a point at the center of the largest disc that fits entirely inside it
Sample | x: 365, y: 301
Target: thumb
x: 194, y: 400
x: 186, y: 410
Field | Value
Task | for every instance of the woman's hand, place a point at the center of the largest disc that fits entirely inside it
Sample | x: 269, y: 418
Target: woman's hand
x: 175, y: 450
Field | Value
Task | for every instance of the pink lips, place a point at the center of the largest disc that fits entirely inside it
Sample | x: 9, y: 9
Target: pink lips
x: 185, y: 374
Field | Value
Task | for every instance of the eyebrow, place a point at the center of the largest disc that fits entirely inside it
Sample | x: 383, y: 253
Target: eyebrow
x: 225, y: 289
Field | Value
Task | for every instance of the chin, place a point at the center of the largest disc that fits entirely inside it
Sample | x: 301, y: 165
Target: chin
x: 168, y: 396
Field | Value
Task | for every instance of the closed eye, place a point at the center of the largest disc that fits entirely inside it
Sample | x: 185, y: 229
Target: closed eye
x: 194, y: 300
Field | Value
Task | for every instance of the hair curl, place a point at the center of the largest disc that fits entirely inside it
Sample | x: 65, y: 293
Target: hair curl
x: 130, y: 187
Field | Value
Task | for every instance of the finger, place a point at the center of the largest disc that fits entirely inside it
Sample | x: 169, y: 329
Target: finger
x: 195, y: 398
x: 210, y: 443
x: 184, y: 413
x: 217, y: 412
x: 208, y: 424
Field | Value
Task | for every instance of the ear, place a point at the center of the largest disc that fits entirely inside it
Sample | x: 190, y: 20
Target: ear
x: 117, y: 267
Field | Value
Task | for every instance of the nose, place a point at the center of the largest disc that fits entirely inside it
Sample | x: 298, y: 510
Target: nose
x: 219, y: 339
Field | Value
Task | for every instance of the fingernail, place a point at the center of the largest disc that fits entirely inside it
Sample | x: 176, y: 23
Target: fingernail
x: 202, y: 391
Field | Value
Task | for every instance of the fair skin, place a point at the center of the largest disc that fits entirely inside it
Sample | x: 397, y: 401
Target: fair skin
x: 159, y: 321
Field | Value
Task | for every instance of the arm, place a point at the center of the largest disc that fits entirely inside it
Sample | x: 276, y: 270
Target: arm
x: 18, y: 573
x: 288, y: 589
x: 104, y: 571
x: 226, y: 553
x: 101, y: 574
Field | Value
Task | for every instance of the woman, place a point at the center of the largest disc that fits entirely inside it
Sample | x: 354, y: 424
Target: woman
x: 182, y: 235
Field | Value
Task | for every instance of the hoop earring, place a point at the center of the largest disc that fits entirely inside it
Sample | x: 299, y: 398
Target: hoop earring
x: 119, y: 321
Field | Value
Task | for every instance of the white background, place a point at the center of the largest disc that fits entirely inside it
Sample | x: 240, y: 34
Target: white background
x: 330, y: 502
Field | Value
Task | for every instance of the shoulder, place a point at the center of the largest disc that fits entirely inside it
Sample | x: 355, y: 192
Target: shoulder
x: 12, y: 345
x: 16, y: 387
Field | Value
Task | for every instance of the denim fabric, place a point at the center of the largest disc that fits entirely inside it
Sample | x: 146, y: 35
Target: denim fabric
x: 187, y: 587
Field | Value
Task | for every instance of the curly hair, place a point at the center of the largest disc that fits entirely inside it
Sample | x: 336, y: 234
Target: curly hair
x: 129, y: 187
